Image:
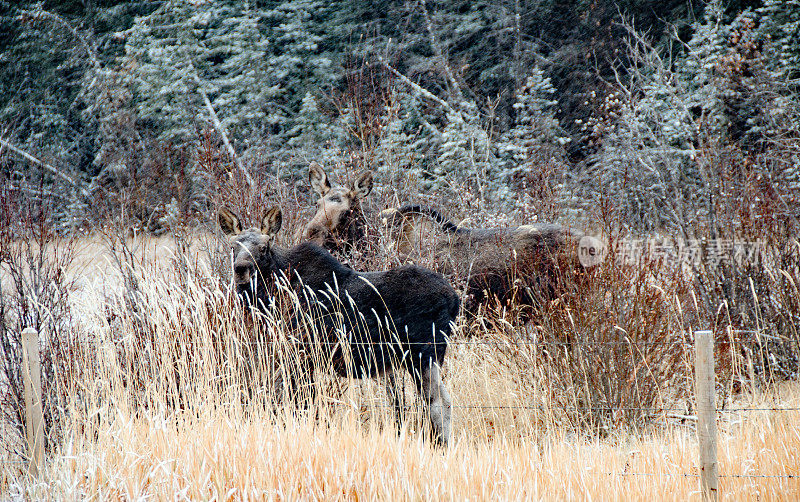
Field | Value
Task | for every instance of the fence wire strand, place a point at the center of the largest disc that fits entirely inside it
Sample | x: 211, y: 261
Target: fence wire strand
x: 515, y: 342
x: 570, y: 408
x: 686, y: 475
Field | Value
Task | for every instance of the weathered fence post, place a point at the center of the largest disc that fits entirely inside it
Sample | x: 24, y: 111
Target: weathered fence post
x: 706, y: 413
x: 32, y: 380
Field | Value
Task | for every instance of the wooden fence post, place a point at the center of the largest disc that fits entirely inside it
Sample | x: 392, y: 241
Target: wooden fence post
x: 34, y: 419
x: 706, y: 413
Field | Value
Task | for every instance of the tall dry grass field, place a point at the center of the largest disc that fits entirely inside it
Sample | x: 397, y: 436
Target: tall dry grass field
x: 174, y: 392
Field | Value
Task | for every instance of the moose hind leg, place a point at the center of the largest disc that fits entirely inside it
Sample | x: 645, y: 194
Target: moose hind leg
x: 438, y: 404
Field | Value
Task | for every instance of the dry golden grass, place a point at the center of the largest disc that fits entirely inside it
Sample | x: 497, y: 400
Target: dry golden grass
x: 187, y: 433
x: 218, y: 455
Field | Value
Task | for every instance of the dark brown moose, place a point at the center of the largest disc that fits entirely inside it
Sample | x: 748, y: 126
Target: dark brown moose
x: 524, y: 264
x: 395, y: 319
x: 339, y: 221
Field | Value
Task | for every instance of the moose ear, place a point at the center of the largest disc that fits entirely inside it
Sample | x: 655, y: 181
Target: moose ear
x: 363, y: 185
x: 229, y: 222
x: 318, y: 179
x: 271, y: 222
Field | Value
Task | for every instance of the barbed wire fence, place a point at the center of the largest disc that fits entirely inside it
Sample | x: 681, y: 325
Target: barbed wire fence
x: 34, y: 420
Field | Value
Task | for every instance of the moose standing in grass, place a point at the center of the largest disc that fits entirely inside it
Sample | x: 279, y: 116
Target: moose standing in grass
x: 389, y: 320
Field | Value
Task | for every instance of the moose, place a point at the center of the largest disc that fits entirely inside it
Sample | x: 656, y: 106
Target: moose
x: 392, y: 320
x: 339, y: 221
x: 524, y: 264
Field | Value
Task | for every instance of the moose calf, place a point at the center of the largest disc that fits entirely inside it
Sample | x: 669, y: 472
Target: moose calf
x: 338, y: 223
x: 392, y: 319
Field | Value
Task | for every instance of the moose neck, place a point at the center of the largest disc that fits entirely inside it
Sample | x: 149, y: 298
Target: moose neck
x: 315, y: 266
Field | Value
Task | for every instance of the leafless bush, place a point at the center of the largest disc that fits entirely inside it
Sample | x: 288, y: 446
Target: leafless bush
x: 35, y: 282
x: 712, y: 158
x: 147, y: 188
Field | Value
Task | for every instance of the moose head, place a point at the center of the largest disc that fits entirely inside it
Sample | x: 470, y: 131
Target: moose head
x: 251, y: 248
x: 338, y: 221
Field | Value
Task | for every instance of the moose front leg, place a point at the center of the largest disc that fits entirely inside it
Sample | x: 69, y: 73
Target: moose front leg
x: 396, y: 394
x: 437, y: 401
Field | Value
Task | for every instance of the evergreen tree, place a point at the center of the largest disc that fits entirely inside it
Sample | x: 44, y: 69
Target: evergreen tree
x: 700, y: 73
x: 780, y: 24
x: 311, y: 126
x: 42, y: 100
x: 409, y: 142
x: 313, y: 136
x: 188, y: 49
x: 535, y: 126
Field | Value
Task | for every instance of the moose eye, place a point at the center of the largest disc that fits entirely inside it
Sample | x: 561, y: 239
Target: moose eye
x: 335, y: 199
